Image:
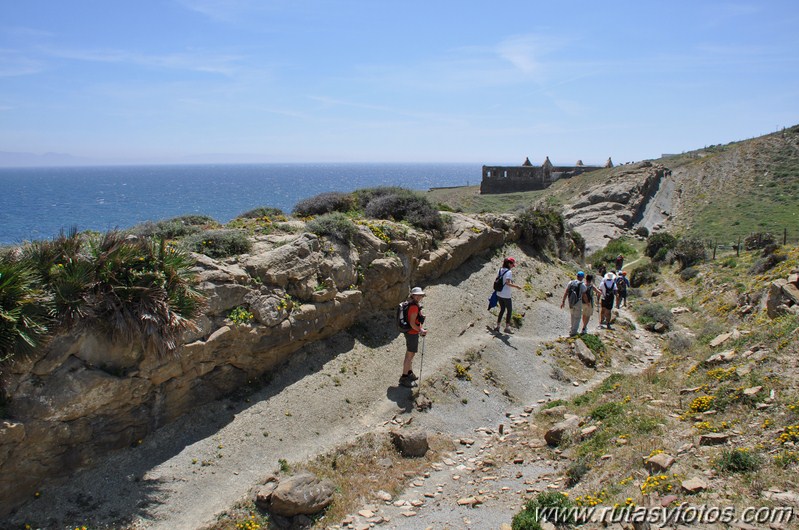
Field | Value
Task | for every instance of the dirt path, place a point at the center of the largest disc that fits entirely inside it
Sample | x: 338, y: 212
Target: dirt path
x: 186, y: 473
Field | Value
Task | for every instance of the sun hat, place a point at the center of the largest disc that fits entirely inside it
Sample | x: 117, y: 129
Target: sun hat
x: 417, y: 291
x: 610, y: 276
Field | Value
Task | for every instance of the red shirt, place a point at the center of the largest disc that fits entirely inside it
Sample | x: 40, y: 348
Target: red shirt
x: 413, y: 316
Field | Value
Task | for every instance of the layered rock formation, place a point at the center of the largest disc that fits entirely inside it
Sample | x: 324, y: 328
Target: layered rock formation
x: 609, y: 209
x: 85, y: 395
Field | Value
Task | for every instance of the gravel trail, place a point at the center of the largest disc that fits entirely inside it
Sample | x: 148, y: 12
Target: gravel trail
x: 186, y: 473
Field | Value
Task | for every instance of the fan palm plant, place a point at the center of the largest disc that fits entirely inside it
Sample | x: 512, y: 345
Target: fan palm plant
x: 24, y: 308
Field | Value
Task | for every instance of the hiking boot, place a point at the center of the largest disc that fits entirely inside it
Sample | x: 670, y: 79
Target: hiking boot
x: 508, y: 330
x: 412, y: 376
x: 406, y: 381
x: 584, y: 331
x: 608, y: 326
x: 496, y: 329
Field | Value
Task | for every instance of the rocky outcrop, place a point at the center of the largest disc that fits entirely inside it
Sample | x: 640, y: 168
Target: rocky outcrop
x: 783, y: 296
x: 608, y: 210
x: 84, y: 394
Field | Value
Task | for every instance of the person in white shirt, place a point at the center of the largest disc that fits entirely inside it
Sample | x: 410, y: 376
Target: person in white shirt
x: 504, y: 296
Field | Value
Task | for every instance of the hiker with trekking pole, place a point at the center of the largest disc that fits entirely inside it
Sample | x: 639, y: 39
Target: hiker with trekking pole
x: 411, y: 319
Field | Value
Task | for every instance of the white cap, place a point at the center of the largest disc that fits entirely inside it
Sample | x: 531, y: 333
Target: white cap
x: 417, y: 290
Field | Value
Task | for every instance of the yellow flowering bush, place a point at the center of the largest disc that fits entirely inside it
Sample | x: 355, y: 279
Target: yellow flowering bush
x: 660, y: 483
x: 706, y: 426
x: 701, y: 404
x: 240, y: 315
x: 722, y: 374
x: 591, y: 500
x: 790, y: 434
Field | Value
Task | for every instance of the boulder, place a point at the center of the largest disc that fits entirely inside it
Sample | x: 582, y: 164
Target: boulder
x: 693, y: 485
x: 721, y: 358
x: 713, y: 438
x: 302, y: 494
x: 585, y: 354
x: 554, y: 436
x: 659, y: 462
x: 410, y: 443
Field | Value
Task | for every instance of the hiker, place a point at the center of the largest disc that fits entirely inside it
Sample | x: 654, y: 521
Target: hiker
x: 619, y: 262
x: 574, y: 292
x: 608, y: 294
x: 622, y: 283
x: 415, y: 319
x: 591, y: 293
x: 601, y: 270
x: 503, y: 296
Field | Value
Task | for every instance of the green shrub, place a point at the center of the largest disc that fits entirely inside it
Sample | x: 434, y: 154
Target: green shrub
x: 132, y: 287
x: 173, y: 228
x: 240, y: 315
x: 542, y: 227
x: 576, y: 472
x: 738, y: 461
x: 323, y: 203
x: 765, y: 264
x: 642, y: 231
x: 365, y: 196
x: 529, y: 517
x: 275, y: 214
x: 644, y: 274
x: 607, y: 256
x: 219, y: 243
x: 654, y: 313
x: 607, y: 410
x: 662, y: 255
x: 689, y: 251
x: 594, y: 343
x: 408, y: 206
x: 689, y: 274
x: 335, y: 225
x: 577, y: 247
x: 24, y: 308
x: 659, y: 241
x: 678, y: 343
x: 759, y: 240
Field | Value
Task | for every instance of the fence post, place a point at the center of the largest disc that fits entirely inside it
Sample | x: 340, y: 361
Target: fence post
x: 715, y: 246
x: 738, y: 247
x: 784, y: 236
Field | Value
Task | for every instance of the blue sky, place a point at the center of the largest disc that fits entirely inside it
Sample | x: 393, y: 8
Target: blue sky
x: 413, y: 81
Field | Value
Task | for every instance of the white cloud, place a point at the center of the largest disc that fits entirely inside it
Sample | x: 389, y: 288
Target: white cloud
x: 199, y: 61
x: 14, y: 64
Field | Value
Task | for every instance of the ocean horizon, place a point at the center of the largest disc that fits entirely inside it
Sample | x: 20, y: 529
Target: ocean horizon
x: 38, y: 202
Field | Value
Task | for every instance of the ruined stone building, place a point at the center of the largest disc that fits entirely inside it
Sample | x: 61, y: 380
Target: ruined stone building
x: 527, y: 177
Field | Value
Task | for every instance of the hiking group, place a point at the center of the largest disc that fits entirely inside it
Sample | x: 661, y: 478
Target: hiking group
x: 582, y: 296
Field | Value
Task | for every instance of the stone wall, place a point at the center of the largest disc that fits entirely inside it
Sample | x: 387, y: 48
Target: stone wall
x: 85, y: 395
x: 509, y: 179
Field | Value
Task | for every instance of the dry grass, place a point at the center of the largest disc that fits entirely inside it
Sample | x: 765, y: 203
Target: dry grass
x: 638, y: 415
x: 370, y: 464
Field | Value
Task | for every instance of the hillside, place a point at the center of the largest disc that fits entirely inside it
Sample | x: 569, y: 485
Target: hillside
x: 690, y: 398
x: 720, y: 192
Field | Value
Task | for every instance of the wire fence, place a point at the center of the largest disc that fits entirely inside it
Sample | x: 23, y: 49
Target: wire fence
x: 753, y: 241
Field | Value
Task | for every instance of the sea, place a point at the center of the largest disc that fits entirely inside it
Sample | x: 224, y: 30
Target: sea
x: 38, y: 203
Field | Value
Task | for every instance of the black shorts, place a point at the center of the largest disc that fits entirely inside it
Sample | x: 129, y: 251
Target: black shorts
x: 607, y: 303
x: 412, y: 342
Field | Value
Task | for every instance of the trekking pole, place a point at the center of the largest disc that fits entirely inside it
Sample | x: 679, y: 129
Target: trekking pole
x: 421, y: 363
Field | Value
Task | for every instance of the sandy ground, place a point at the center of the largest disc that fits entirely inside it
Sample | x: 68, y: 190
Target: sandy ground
x: 327, y: 394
